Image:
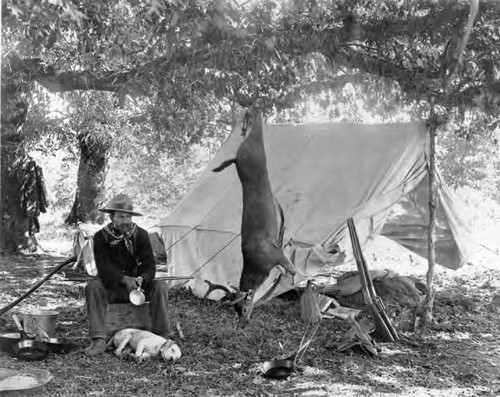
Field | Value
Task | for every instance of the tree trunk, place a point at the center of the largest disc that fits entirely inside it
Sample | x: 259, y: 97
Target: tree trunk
x: 14, y: 229
x: 90, y: 180
x: 429, y: 297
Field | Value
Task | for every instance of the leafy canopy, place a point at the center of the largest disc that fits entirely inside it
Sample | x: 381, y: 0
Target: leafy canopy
x: 167, y: 72
x: 177, y: 51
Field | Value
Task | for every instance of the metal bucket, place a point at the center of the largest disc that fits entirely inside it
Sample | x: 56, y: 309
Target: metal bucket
x: 40, y: 323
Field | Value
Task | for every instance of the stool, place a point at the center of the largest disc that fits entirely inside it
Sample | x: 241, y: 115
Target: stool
x: 127, y: 315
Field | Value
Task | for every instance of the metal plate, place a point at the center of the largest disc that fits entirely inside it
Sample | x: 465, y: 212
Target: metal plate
x: 22, y: 382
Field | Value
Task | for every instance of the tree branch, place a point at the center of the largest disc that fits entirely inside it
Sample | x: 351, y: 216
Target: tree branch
x: 296, y: 41
x: 410, y: 79
x: 413, y: 26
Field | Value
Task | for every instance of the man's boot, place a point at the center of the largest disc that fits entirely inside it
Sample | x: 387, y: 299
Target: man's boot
x: 97, y: 347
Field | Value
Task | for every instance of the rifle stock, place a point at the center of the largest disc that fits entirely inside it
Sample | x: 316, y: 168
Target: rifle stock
x: 385, y: 318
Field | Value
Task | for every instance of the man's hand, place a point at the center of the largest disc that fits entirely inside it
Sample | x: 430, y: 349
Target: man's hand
x: 132, y: 282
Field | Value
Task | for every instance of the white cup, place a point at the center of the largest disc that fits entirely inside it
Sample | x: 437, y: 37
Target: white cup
x: 137, y: 297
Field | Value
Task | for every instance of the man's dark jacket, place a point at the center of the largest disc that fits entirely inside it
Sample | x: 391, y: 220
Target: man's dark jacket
x: 114, y: 260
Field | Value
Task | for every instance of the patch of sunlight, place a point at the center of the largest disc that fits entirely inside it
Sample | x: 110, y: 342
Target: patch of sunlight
x: 391, y: 352
x: 312, y: 392
x: 141, y: 380
x: 314, y: 371
x: 349, y: 390
x: 399, y: 369
x: 57, y: 246
x: 454, y: 336
x: 386, y: 380
x: 450, y: 392
x: 58, y: 106
x: 311, y: 389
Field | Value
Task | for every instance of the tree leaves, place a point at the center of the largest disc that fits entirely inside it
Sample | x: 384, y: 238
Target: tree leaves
x: 183, y: 55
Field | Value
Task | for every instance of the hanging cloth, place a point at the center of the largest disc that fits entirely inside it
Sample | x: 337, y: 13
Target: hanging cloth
x: 33, y: 195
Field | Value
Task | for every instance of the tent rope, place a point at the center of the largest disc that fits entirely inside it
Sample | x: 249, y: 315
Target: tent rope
x: 176, y: 241
x: 303, y: 346
x: 211, y: 258
x: 487, y: 248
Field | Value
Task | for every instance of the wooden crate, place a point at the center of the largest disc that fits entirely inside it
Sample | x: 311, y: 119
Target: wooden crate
x: 127, y: 315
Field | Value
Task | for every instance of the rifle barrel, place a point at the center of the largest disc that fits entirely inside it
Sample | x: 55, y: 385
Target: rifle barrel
x: 358, y: 256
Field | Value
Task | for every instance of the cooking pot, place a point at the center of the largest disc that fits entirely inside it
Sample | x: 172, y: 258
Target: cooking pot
x: 28, y: 349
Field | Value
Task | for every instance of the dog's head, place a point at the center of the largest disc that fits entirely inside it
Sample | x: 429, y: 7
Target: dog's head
x: 170, y: 351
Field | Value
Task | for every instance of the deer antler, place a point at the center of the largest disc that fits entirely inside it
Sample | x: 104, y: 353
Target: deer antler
x: 238, y: 296
x: 233, y: 296
x: 214, y: 287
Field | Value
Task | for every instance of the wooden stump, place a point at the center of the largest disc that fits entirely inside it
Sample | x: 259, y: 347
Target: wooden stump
x: 127, y: 315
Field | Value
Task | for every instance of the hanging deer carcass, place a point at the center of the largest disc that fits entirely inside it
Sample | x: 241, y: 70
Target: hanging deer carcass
x: 261, y: 235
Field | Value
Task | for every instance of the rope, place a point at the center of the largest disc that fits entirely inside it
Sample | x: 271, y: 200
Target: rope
x: 210, y: 259
x: 176, y: 241
x: 484, y: 246
x: 304, y: 346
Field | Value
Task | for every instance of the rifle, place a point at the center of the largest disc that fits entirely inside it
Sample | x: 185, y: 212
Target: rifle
x: 383, y: 324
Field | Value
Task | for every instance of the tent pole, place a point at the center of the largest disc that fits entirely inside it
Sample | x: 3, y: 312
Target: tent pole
x: 431, y: 237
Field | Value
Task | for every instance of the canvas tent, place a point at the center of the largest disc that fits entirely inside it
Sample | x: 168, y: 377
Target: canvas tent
x: 322, y: 174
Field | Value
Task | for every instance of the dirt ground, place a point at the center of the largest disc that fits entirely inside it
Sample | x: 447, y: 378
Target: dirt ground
x: 458, y: 356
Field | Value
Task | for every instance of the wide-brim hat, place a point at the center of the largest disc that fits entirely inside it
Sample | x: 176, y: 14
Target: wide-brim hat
x: 122, y: 203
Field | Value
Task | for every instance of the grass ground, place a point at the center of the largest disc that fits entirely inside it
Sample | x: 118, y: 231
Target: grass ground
x: 458, y: 356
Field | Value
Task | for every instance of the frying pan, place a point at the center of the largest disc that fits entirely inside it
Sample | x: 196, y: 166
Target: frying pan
x: 283, y: 368
x: 8, y: 340
x: 28, y: 349
x: 60, y: 346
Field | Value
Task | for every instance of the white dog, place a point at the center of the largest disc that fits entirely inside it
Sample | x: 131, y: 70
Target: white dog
x: 145, y: 344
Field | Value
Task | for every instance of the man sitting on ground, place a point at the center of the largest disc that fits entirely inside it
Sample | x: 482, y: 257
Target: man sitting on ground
x: 124, y: 260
